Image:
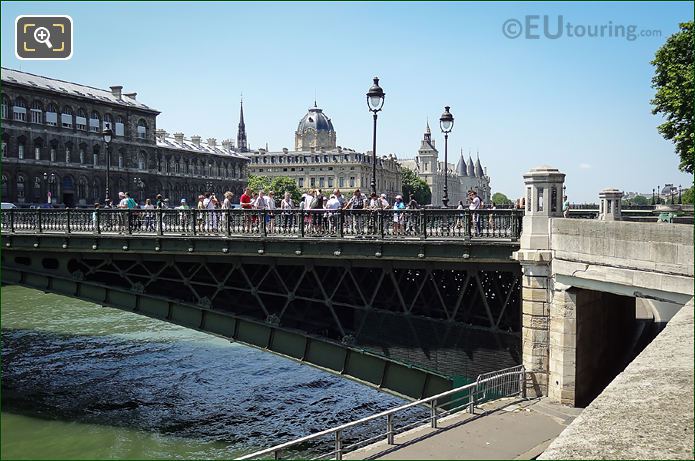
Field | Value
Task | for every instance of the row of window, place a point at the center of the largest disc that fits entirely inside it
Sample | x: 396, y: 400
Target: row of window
x: 362, y: 158
x: 168, y: 165
x: 67, y: 119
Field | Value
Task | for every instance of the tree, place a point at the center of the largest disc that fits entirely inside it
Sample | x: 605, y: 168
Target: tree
x: 673, y: 80
x: 412, y: 184
x: 278, y: 184
x: 498, y: 198
x: 640, y: 200
x: 687, y: 196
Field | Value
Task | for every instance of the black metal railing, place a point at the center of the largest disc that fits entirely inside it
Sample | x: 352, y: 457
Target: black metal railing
x: 370, y: 224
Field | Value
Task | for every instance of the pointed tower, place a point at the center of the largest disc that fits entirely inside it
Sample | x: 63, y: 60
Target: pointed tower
x: 427, y: 153
x: 478, y: 167
x: 462, y: 166
x: 471, y: 167
x: 241, y: 134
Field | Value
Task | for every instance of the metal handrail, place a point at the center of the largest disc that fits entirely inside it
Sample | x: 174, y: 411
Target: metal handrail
x: 383, y: 224
x: 518, y: 373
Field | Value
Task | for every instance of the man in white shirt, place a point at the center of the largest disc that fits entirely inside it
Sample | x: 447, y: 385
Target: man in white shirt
x: 473, y: 206
x: 384, y: 202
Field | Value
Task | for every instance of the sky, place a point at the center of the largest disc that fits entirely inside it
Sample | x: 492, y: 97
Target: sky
x: 577, y: 103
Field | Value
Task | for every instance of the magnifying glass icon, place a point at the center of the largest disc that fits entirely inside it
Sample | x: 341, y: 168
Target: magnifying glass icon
x: 42, y: 35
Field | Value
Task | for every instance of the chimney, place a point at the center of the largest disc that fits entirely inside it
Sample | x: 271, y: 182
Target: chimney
x: 178, y: 137
x: 212, y: 142
x: 116, y: 91
x: 195, y: 140
x: 161, y: 134
x: 130, y: 95
x: 226, y: 144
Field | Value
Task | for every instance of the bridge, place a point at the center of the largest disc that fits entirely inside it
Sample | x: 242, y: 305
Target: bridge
x: 414, y: 302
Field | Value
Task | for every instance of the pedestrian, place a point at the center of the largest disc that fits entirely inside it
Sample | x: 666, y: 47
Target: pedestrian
x: 384, y: 203
x: 460, y: 216
x: 200, y: 215
x: 355, y: 217
x: 565, y: 207
x: 286, y: 205
x: 340, y: 197
x: 473, y: 207
x: 398, y: 206
x: 270, y: 214
x: 333, y: 205
x: 184, y: 215
x: 149, y: 216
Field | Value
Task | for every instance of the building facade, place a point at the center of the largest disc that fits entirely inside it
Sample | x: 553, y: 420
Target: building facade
x: 53, y: 148
x: 465, y: 176
x: 318, y: 162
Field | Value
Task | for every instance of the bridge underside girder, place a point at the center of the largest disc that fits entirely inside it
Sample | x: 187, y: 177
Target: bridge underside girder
x: 414, y: 327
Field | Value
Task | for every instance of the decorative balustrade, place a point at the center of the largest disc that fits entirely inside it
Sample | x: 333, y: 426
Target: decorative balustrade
x: 369, y: 224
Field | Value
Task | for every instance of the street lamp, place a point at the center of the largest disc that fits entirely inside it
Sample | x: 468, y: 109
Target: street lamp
x: 375, y: 101
x: 446, y: 123
x: 672, y: 195
x: 48, y: 180
x: 653, y: 197
x: 107, y: 134
x: 680, y: 198
x: 139, y: 185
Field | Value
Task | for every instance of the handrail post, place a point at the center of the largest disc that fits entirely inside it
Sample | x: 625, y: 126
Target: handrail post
x: 338, y: 446
x: 264, y: 228
x: 12, y: 221
x: 194, y: 221
x: 228, y: 222
x: 522, y: 382
x: 160, y: 221
x: 470, y: 224
x: 433, y: 414
x: 389, y: 429
x: 276, y: 454
x: 67, y: 228
x: 97, y: 219
x: 340, y: 223
x: 471, y: 398
x: 423, y: 218
x: 380, y: 217
x: 301, y: 223
x: 39, y: 226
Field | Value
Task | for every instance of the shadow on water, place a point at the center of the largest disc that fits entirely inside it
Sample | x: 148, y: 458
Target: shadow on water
x: 229, y: 396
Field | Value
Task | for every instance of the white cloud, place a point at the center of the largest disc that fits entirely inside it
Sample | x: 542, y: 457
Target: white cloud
x: 584, y: 166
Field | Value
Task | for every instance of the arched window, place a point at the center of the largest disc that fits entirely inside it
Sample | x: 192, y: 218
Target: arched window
x: 5, y: 107
x: 82, y: 187
x: 121, y: 159
x: 119, y: 129
x: 81, y: 119
x: 96, y: 188
x: 108, y: 120
x: 82, y: 149
x: 66, y: 117
x: 20, y: 110
x: 142, y: 161
x: 20, y: 188
x: 4, y: 144
x: 36, y: 112
x: 177, y: 166
x: 4, y: 186
x: 68, y: 152
x: 142, y: 129
x: 38, y: 144
x: 94, y: 122
x: 52, y: 115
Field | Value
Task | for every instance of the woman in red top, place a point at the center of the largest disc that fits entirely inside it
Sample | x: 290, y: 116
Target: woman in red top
x: 245, y: 202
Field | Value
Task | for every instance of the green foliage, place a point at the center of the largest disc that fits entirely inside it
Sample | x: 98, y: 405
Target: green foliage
x: 687, y: 196
x: 640, y: 200
x: 498, y: 198
x: 412, y: 184
x: 673, y: 80
x: 279, y: 185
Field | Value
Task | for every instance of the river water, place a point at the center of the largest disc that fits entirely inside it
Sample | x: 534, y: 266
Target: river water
x: 84, y: 381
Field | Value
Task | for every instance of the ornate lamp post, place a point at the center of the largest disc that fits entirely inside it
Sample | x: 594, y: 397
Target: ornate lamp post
x: 680, y: 197
x: 48, y: 181
x: 446, y: 123
x: 139, y: 185
x: 107, y: 134
x: 653, y: 197
x: 375, y: 101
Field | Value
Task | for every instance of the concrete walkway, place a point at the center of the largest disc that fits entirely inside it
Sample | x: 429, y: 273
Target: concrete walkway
x: 512, y: 429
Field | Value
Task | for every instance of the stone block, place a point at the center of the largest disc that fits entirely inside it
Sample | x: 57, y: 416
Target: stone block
x: 535, y: 294
x: 563, y: 325
x: 662, y: 252
x: 538, y: 308
x: 629, y: 249
x: 562, y: 340
x: 534, y: 282
x: 677, y: 284
x: 685, y: 258
x: 535, y: 322
x: 535, y: 337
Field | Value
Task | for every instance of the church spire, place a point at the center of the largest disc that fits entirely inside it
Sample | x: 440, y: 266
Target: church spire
x: 241, y: 134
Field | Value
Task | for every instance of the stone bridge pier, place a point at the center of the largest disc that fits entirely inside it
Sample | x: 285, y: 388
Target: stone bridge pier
x: 593, y: 291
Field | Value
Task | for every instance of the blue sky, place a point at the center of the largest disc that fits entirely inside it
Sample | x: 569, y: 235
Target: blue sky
x: 579, y: 104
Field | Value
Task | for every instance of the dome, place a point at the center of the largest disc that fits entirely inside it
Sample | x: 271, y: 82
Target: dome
x: 315, y: 131
x: 316, y: 120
